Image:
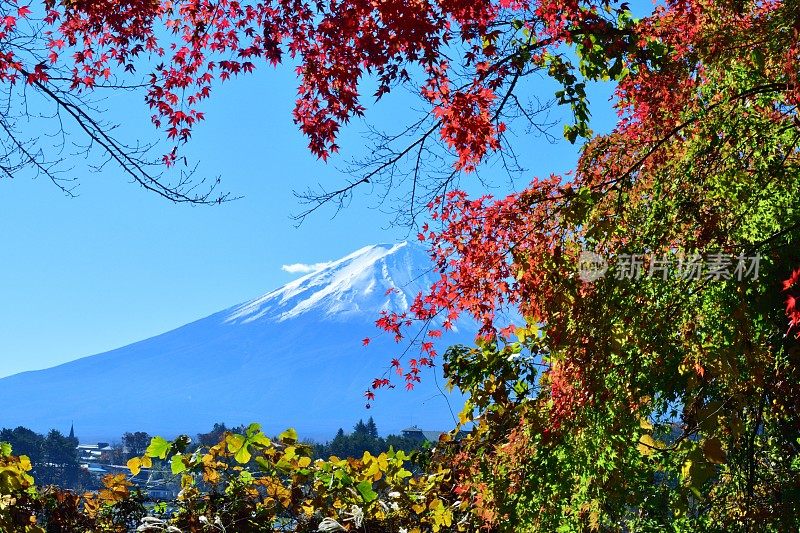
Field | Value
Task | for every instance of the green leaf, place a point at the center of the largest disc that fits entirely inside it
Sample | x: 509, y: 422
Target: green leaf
x: 5, y: 449
x: 758, y: 58
x: 365, y: 489
x: 343, y: 478
x: 235, y: 442
x: 159, y: 447
x: 243, y: 455
x: 696, y: 473
x: 177, y: 465
x: 288, y: 437
x: 260, y: 439
x: 255, y: 436
x: 252, y: 430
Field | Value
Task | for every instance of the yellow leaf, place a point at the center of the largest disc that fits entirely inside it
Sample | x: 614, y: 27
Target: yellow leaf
x: 696, y: 472
x: 594, y: 521
x: 435, y: 504
x: 686, y: 470
x: 383, y: 462
x: 210, y: 475
x: 289, y: 452
x: 91, y: 506
x: 135, y: 465
x: 647, y: 445
x: 304, y: 462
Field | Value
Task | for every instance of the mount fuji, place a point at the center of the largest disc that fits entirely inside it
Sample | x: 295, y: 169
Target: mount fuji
x: 290, y: 358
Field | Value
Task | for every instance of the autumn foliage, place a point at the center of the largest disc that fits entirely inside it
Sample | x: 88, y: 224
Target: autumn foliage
x: 243, y: 482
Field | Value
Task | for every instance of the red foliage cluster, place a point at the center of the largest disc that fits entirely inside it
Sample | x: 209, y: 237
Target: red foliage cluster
x: 198, y: 41
x: 335, y: 43
x: 792, y: 287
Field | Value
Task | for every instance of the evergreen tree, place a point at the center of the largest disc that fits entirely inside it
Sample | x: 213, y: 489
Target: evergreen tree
x: 364, y: 438
x: 372, y: 429
x: 360, y: 428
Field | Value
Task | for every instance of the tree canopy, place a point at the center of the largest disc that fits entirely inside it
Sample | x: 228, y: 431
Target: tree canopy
x: 53, y: 457
x: 664, y: 393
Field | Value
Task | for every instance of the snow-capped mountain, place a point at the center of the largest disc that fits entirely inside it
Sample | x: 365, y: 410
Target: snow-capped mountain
x: 366, y: 281
x: 290, y: 358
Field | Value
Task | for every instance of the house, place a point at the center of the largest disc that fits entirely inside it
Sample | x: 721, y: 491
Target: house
x: 421, y: 435
x: 95, y: 468
x: 91, y: 453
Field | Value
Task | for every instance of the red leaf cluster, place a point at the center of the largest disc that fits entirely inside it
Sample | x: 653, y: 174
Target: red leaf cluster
x: 336, y: 44
x: 792, y: 287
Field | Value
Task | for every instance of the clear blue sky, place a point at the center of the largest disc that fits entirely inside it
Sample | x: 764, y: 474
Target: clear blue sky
x: 117, y: 264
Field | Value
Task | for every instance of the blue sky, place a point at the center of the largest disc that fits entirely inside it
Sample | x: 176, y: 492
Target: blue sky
x: 117, y: 264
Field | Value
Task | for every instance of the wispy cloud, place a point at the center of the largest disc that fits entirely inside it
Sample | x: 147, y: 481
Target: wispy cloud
x: 304, y: 268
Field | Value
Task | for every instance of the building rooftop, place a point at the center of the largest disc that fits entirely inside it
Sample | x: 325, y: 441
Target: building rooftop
x: 430, y: 436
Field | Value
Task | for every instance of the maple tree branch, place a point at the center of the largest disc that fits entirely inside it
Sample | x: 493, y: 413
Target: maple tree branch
x: 425, y: 182
x: 180, y: 192
x: 318, y: 200
x: 41, y: 167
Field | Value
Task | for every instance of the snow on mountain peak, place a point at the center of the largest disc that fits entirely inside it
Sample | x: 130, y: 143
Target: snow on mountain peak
x: 355, y: 284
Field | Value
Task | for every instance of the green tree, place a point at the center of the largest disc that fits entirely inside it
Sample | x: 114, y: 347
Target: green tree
x: 371, y: 428
x: 59, y: 450
x: 364, y: 438
x: 134, y: 444
x: 24, y: 442
x: 54, y: 457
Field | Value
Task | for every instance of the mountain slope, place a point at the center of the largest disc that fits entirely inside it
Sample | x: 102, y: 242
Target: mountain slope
x: 292, y: 357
